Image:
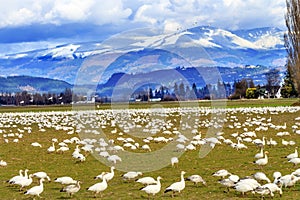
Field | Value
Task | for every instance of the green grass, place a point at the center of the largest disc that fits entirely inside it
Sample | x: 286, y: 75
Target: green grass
x: 22, y: 155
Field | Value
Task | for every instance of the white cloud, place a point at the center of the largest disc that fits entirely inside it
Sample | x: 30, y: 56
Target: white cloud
x: 229, y: 14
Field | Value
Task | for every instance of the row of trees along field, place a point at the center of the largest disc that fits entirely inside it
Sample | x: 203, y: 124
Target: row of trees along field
x: 244, y: 88
x: 25, y: 98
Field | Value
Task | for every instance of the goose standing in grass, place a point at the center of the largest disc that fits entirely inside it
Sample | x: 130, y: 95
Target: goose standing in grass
x: 287, y: 180
x: 221, y: 173
x: 131, y: 175
x: 174, y: 161
x: 24, y: 182
x: 274, y: 187
x: 263, y: 161
x: 13, y: 179
x: 196, y: 179
x: 177, y: 186
x: 264, y: 191
x: 40, y: 175
x: 71, y: 189
x: 260, y: 154
x: 107, y: 175
x: 295, y: 161
x: 152, y: 189
x: 65, y: 180
x: 3, y: 163
x: 260, y: 176
x: 146, y: 180
x: 246, y: 185
x: 292, y: 155
x: 51, y: 149
x: 36, y: 190
x: 98, y: 187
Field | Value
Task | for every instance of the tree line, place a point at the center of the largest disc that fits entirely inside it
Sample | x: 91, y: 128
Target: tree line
x: 25, y: 98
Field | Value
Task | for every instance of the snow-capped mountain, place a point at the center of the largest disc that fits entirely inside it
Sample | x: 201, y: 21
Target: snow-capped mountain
x: 145, y: 50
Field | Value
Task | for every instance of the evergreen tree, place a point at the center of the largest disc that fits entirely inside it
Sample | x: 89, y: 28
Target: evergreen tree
x: 288, y: 88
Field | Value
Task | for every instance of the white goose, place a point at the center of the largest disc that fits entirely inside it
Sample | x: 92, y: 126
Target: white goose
x: 177, y: 186
x: 98, y: 187
x: 24, y: 182
x: 131, y: 175
x: 107, y: 175
x: 264, y: 191
x: 174, y: 161
x: 51, y: 149
x: 65, y: 180
x: 36, y: 190
x: 260, y: 176
x: 3, y: 163
x: 41, y: 175
x: 15, y: 178
x: 260, y: 154
x: 71, y: 189
x: 262, y: 161
x: 221, y: 173
x: 274, y: 187
x: 295, y: 161
x: 293, y: 155
x: 196, y: 179
x: 146, y: 180
x: 153, y: 189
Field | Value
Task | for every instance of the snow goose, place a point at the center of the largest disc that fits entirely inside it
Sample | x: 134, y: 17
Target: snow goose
x: 264, y: 191
x: 65, y: 180
x: 13, y: 179
x: 177, y: 186
x: 71, y: 189
x: 131, y: 175
x: 41, y: 175
x: 51, y: 149
x: 98, y: 187
x: 276, y: 175
x: 260, y: 154
x: 146, y: 180
x: 227, y: 183
x: 263, y: 161
x: 295, y: 161
x: 274, y: 187
x: 153, y: 189
x: 3, y: 163
x: 24, y: 182
x: 36, y: 144
x: 196, y: 179
x: 260, y: 176
x: 287, y: 180
x: 107, y: 175
x: 36, y: 190
x: 174, y: 161
x: 293, y: 155
x: 246, y: 185
x: 221, y: 173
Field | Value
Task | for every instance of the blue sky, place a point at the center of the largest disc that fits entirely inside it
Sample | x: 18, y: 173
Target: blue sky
x: 45, y: 23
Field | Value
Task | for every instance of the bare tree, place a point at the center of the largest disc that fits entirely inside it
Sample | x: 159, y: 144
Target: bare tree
x: 273, y: 81
x: 292, y: 40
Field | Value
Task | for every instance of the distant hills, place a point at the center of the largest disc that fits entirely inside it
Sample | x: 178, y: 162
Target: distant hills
x: 145, y: 50
x: 147, y: 57
x: 13, y: 84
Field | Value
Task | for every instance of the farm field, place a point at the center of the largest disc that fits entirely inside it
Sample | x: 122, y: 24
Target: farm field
x: 22, y: 126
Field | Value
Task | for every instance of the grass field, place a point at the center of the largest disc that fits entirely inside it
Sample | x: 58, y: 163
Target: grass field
x: 22, y: 155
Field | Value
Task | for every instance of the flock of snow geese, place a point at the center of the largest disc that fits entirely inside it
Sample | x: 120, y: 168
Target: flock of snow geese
x: 158, y: 127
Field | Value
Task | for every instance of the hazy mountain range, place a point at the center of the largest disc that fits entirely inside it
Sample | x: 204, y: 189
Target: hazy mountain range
x: 148, y: 50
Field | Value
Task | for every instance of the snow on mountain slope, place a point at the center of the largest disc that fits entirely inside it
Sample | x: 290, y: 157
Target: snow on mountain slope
x: 261, y: 46
x: 66, y: 51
